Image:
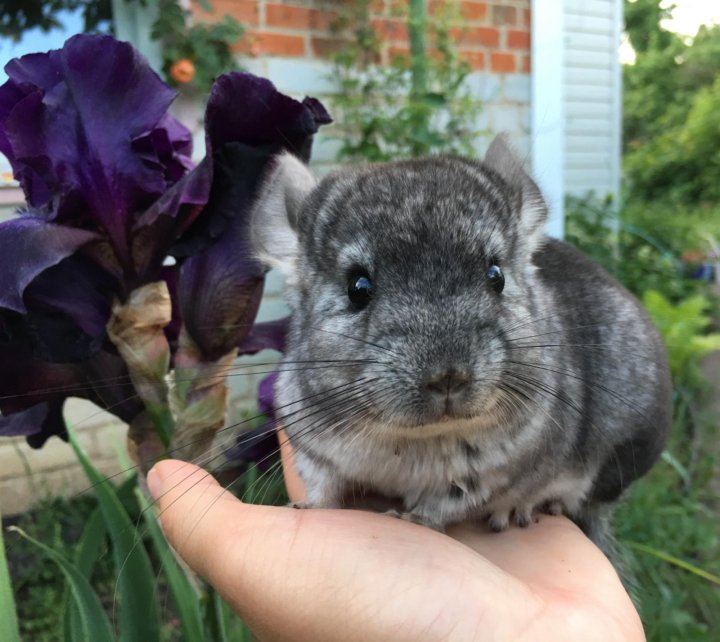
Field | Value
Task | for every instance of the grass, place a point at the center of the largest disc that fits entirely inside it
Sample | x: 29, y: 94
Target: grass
x: 39, y: 585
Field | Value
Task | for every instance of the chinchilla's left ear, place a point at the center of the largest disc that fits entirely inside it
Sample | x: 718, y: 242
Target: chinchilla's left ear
x: 533, y: 210
x: 274, y: 219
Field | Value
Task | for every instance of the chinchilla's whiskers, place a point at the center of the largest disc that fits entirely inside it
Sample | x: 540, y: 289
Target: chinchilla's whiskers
x: 542, y: 387
x: 205, y: 459
x: 350, y: 420
x: 562, y: 330
x: 307, y: 431
x: 139, y: 535
x: 583, y: 346
x: 588, y: 384
x: 330, y: 394
x: 523, y: 398
x: 179, y: 447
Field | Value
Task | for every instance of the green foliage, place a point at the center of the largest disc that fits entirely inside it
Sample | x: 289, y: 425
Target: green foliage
x: 92, y: 621
x: 8, y: 617
x: 413, y: 105
x: 86, y: 539
x: 683, y: 327
x: 671, y: 110
x: 18, y: 16
x: 670, y: 516
x: 206, y: 46
x: 668, y: 525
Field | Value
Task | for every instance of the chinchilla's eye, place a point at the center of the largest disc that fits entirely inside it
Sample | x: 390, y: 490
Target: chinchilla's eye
x: 360, y: 290
x: 495, y: 276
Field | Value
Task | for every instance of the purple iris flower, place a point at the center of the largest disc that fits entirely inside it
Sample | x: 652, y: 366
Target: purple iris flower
x: 111, y: 192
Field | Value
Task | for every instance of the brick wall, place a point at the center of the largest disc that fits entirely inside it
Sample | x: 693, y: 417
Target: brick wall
x: 495, y: 36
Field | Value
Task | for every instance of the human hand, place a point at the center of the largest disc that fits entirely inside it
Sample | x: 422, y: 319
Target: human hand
x: 357, y: 576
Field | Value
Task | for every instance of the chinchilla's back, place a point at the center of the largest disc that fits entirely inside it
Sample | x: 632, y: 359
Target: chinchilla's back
x: 626, y: 392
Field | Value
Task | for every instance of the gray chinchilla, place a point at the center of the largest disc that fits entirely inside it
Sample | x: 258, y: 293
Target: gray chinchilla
x: 462, y: 361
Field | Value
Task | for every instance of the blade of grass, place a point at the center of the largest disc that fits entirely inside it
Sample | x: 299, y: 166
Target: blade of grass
x: 675, y: 561
x: 88, y: 551
x: 8, y: 615
x: 139, y: 610
x: 93, y: 621
x: 184, y: 595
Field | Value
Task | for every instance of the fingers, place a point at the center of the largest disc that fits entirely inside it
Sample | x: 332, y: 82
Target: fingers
x: 329, y: 575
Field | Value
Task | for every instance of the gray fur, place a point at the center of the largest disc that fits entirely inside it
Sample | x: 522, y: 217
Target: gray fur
x: 568, y: 398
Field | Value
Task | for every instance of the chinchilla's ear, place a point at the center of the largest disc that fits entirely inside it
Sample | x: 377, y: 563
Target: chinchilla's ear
x: 273, y: 222
x: 533, y: 211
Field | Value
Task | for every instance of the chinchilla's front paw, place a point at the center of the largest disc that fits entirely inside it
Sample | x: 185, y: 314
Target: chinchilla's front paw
x: 523, y: 516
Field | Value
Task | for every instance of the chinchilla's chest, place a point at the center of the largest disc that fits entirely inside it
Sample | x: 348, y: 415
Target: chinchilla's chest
x: 412, y: 467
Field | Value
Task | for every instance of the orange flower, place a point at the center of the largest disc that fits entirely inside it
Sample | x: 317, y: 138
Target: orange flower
x: 182, y: 71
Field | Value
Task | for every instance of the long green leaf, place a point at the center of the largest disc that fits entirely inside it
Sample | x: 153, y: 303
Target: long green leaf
x: 139, y: 617
x: 8, y: 616
x: 94, y: 622
x: 87, y: 553
x: 184, y: 595
x: 675, y: 561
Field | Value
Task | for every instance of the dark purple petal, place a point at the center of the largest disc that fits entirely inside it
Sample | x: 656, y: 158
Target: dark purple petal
x: 71, y: 137
x: 52, y: 424
x: 220, y: 289
x: 259, y: 446
x: 28, y: 246
x: 27, y: 422
x: 269, y: 335
x: 37, y: 424
x: 76, y: 289
x: 266, y: 394
x: 248, y: 109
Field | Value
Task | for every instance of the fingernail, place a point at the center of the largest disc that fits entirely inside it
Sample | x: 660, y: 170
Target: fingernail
x: 154, y: 483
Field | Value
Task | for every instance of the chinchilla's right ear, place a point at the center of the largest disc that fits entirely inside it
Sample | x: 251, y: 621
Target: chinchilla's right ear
x: 274, y: 218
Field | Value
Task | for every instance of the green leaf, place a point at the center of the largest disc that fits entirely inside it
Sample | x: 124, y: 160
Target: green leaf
x: 139, y: 614
x: 8, y: 617
x: 675, y: 561
x: 93, y: 621
x: 184, y: 595
x: 88, y: 551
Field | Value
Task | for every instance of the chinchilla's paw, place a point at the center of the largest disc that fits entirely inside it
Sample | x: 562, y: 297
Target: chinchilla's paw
x: 423, y: 520
x: 521, y: 516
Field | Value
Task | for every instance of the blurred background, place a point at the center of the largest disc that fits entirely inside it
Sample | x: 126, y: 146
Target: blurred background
x: 615, y: 106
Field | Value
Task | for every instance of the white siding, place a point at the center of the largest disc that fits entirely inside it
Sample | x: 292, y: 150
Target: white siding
x: 592, y: 96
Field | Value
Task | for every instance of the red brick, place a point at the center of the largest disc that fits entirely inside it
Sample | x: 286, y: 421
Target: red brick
x: 502, y: 63
x: 473, y: 11
x: 395, y: 51
x: 526, y: 66
x: 278, y: 44
x: 476, y: 59
x: 526, y: 18
x: 293, y: 17
x: 390, y: 30
x: 324, y: 47
x: 477, y: 37
x: 518, y: 39
x: 504, y: 15
x: 244, y: 11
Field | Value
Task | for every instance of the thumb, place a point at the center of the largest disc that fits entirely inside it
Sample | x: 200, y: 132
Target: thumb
x: 234, y: 546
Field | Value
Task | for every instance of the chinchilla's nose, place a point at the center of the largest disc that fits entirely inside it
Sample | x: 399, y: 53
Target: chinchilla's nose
x: 447, y: 383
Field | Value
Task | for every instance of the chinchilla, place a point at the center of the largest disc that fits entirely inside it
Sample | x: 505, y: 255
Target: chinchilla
x: 484, y: 369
